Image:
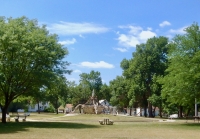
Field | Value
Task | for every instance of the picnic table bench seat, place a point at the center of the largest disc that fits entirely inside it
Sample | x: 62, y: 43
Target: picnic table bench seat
x: 20, y: 116
x: 106, y: 121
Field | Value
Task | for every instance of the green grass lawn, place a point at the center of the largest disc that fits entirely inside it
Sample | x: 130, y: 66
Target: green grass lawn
x: 52, y: 126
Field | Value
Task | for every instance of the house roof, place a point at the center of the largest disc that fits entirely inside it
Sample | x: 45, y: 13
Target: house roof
x: 69, y: 105
x: 61, y: 107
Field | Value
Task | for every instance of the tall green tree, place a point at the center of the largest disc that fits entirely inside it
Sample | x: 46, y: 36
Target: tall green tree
x: 119, y: 92
x: 29, y: 57
x: 72, y: 89
x: 79, y: 94
x: 181, y: 84
x: 57, y: 93
x: 105, y: 92
x: 92, y: 81
x: 149, y: 61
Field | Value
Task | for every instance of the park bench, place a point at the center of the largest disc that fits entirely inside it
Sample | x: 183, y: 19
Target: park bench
x: 106, y: 121
x: 20, y: 116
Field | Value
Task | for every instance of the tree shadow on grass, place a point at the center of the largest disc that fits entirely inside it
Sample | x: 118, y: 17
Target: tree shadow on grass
x: 192, y: 125
x: 14, y: 127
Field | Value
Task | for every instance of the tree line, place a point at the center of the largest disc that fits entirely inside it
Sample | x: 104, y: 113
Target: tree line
x: 162, y: 73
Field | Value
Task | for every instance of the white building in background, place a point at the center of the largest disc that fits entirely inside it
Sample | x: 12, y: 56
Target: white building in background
x: 140, y: 111
x: 34, y: 107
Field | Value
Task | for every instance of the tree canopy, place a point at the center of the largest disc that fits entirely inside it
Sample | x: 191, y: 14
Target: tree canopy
x: 29, y: 57
x: 148, y: 62
x: 57, y: 93
x: 91, y: 81
x: 183, y: 73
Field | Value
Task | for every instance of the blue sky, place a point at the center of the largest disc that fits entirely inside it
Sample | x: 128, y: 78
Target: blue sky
x: 99, y: 34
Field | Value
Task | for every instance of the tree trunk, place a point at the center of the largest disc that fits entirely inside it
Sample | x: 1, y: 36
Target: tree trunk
x: 57, y: 106
x: 150, y: 109
x: 38, y: 107
x: 140, y: 111
x: 154, y: 112
x: 188, y: 111
x: 180, y: 111
x: 145, y: 111
x: 160, y: 110
x: 145, y: 104
x: 4, y: 112
x: 130, y: 111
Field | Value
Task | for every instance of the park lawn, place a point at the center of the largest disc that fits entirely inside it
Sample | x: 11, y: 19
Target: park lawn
x: 86, y: 126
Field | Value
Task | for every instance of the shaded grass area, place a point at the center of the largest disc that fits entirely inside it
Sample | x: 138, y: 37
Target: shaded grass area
x: 23, y: 126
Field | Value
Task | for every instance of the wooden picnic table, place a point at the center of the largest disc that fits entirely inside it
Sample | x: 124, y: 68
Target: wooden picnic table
x: 20, y: 115
x: 106, y: 121
x: 196, y: 118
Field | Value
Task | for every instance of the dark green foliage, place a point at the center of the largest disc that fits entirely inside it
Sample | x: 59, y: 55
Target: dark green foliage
x: 149, y: 61
x: 30, y: 58
x: 119, y: 92
x: 57, y: 93
x: 91, y: 81
x: 181, y: 84
x: 105, y: 92
x: 49, y: 109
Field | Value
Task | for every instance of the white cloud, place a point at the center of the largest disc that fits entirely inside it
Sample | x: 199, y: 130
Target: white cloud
x: 77, y: 71
x: 128, y: 40
x: 135, y: 30
x: 68, y: 42
x: 178, y: 31
x: 144, y: 35
x: 135, y: 35
x: 69, y: 28
x: 121, y: 49
x: 100, y: 64
x: 164, y: 23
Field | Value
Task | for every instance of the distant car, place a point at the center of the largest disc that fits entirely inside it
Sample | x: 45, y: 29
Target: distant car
x: 20, y: 110
x: 173, y: 116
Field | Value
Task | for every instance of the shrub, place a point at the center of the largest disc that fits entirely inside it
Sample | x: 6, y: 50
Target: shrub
x: 49, y: 109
